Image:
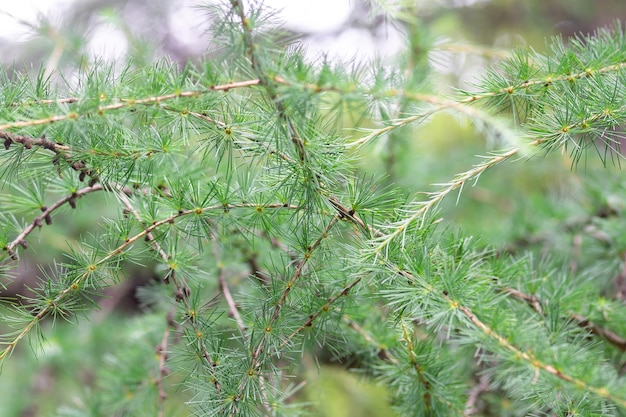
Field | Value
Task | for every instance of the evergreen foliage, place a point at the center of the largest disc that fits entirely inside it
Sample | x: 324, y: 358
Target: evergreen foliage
x: 241, y: 181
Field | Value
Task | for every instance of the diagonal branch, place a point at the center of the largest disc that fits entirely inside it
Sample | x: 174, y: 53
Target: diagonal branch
x: 527, y: 356
x: 182, y: 293
x: 257, y: 352
x: 582, y: 321
x: 45, y: 217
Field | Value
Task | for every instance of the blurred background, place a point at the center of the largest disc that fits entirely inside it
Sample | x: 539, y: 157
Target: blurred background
x: 61, y: 34
x: 53, y: 32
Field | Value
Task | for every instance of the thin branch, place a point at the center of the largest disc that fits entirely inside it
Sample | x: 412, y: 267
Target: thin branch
x: 527, y: 356
x: 603, y: 332
x: 309, y: 322
x: 570, y: 77
x: 385, y: 355
x: 29, y: 141
x: 419, y: 370
x: 125, y: 102
x: 163, y: 371
x: 582, y: 321
x: 60, y: 151
x: 535, y: 362
x: 422, y: 207
x: 10, y: 346
x: 383, y: 352
x: 45, y: 217
x: 28, y: 103
x: 223, y: 125
x: 232, y: 306
x: 129, y: 206
x: 469, y: 99
x: 474, y: 394
x: 254, y: 362
x: 532, y: 300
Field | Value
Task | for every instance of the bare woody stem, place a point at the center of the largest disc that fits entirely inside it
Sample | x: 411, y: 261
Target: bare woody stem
x: 232, y: 306
x: 45, y: 217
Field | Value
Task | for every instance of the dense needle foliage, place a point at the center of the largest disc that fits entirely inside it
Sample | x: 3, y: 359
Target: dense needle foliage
x: 241, y: 183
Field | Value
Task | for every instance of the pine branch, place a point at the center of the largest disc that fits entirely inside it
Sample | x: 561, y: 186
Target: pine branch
x: 535, y: 303
x: 46, y: 217
x: 122, y: 103
x: 76, y: 284
x: 419, y: 210
x: 417, y: 367
x: 528, y: 357
x: 281, y: 301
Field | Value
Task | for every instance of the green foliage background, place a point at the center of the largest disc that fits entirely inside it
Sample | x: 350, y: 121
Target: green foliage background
x: 558, y: 215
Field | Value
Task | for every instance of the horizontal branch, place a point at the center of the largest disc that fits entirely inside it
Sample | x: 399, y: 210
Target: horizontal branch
x: 530, y: 83
x: 29, y: 141
x: 125, y: 102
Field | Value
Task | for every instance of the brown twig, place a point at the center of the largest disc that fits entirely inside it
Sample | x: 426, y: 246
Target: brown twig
x: 535, y: 303
x: 232, y: 306
x: 474, y: 394
x: 122, y: 102
x: 163, y: 371
x: 45, y: 217
x: 60, y: 151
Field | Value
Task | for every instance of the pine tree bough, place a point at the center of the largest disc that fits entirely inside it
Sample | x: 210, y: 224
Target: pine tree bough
x: 250, y: 186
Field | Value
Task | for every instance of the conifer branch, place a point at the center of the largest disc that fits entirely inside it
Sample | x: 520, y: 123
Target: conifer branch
x: 536, y: 363
x: 125, y: 103
x: 46, y: 217
x: 324, y: 309
x: 150, y: 238
x: 518, y: 354
x: 420, y: 209
x: 535, y: 303
x: 419, y: 370
x: 509, y: 90
x: 76, y: 284
x: 197, y: 161
x: 281, y: 301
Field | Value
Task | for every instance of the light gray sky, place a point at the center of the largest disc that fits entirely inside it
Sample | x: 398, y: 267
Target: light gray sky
x: 321, y: 16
